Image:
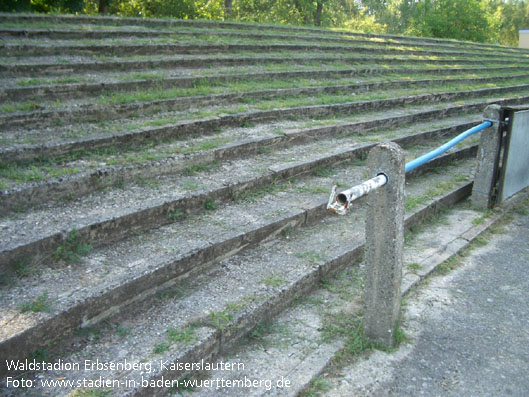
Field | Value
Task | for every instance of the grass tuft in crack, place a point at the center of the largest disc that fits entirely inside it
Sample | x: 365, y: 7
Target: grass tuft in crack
x: 73, y: 248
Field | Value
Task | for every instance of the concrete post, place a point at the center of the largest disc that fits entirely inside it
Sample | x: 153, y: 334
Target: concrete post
x: 487, y: 159
x: 384, y: 241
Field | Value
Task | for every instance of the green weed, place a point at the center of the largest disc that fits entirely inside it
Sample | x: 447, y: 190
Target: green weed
x: 345, y: 325
x: 323, y: 172
x: 210, y: 205
x: 40, y: 355
x: 73, y: 248
x: 176, y: 214
x: 259, y: 331
x: 317, y: 387
x: 413, y: 266
x: 122, y: 331
x: 274, y: 280
x: 91, y: 392
x: 161, y: 348
x: 185, y: 335
x: 481, y: 219
x: 173, y: 292
x: 311, y: 256
x: 22, y: 268
x: 41, y: 304
x: 182, y: 387
x: 219, y: 320
x: 89, y: 332
x: 255, y: 194
x: 150, y: 183
x: 195, y: 169
x: 190, y: 185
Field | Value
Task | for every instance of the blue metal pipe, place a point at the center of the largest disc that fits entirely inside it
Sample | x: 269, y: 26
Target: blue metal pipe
x: 441, y: 149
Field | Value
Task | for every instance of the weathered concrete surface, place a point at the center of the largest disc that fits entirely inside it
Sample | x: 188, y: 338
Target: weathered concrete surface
x: 19, y: 69
x: 120, y: 21
x: 69, y: 33
x: 208, y: 125
x: 152, y: 49
x: 384, y: 242
x: 73, y: 90
x: 468, y: 330
x: 487, y: 159
x: 112, y: 112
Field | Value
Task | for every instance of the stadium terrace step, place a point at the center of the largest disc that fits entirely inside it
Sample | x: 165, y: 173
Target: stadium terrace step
x: 95, y: 33
x: 35, y: 65
x: 109, y: 112
x: 104, y: 294
x: 162, y: 198
x: 114, y: 21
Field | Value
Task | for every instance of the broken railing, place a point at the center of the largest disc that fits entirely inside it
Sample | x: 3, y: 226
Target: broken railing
x: 385, y: 211
x: 339, y: 203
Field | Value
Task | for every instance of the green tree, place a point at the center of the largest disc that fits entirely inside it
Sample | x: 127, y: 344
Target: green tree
x: 15, y: 6
x: 454, y: 19
x: 514, y: 16
x: 393, y: 15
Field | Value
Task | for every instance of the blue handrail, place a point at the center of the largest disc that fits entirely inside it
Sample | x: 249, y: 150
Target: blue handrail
x: 441, y: 149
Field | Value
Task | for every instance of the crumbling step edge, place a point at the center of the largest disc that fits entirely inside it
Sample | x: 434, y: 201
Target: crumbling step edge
x: 97, y: 308
x: 74, y: 90
x: 410, y: 281
x: 112, y: 112
x: 208, y: 125
x: 223, y: 340
x: 77, y: 185
x: 121, y: 21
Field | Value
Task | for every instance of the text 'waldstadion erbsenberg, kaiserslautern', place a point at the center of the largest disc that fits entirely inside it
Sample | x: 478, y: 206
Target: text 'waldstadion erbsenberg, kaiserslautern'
x: 125, y: 365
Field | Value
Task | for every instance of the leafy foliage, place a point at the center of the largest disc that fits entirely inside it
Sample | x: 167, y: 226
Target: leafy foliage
x: 475, y: 20
x: 454, y: 19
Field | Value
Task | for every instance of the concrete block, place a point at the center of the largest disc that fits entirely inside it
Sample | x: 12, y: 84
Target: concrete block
x: 384, y: 242
x: 487, y: 159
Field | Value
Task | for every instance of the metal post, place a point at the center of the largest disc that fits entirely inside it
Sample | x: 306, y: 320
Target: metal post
x: 487, y: 159
x: 384, y: 242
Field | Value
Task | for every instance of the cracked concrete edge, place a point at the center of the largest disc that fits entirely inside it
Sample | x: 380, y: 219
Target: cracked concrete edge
x: 83, y: 67
x: 64, y: 322
x: 122, y: 21
x: 66, y: 91
x: 112, y: 229
x: 207, y: 125
x: 110, y: 112
x: 411, y: 280
x: 70, y: 33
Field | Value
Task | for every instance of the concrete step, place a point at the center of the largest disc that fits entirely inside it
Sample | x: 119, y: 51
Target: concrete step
x: 92, y: 32
x: 216, y: 306
x: 104, y: 86
x: 138, y: 137
x: 59, y: 65
x: 302, y: 347
x: 124, y: 47
x: 127, y: 22
x: 109, y: 215
x: 76, y: 111
x: 85, y: 174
